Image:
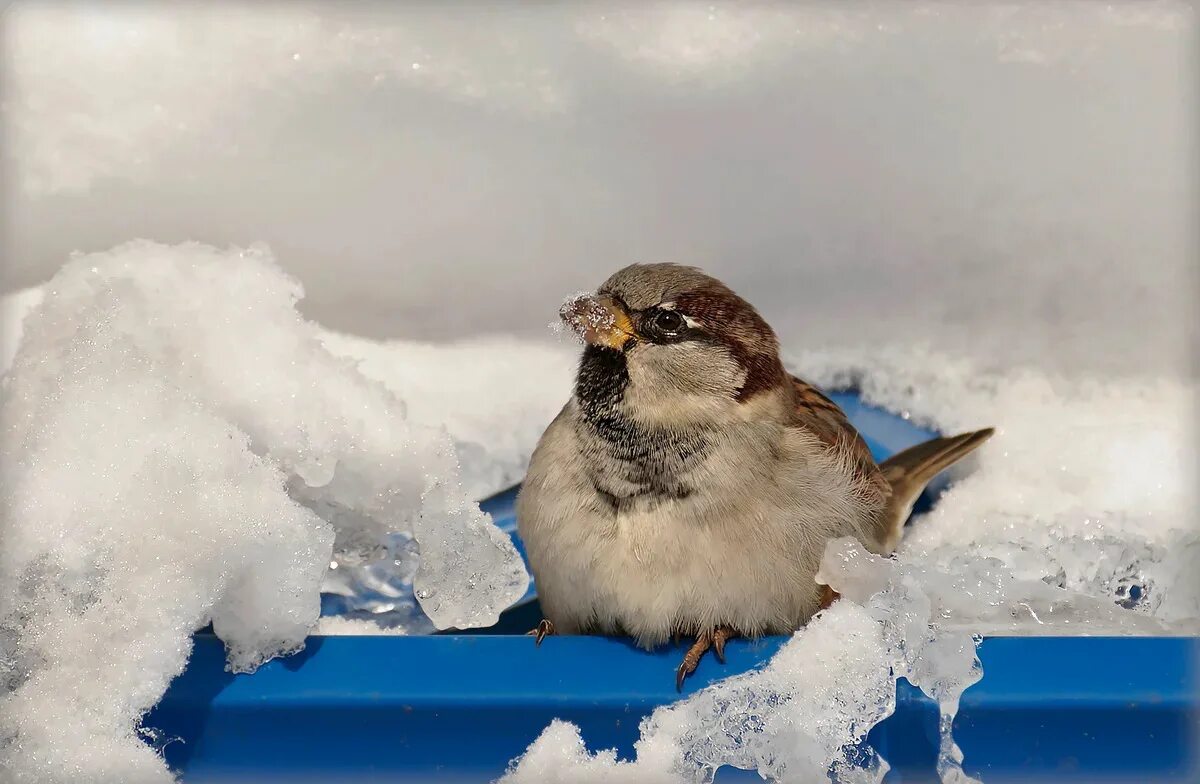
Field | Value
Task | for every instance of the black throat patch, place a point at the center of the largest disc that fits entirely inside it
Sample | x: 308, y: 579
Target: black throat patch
x: 601, y: 382
x: 635, y: 463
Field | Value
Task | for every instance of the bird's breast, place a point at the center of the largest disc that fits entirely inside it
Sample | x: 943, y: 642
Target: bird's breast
x: 682, y: 531
x: 635, y: 469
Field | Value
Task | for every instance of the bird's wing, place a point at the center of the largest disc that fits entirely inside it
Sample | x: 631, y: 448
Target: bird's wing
x: 824, y: 419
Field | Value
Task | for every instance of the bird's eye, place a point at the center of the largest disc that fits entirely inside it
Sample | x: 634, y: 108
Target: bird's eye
x: 668, y: 322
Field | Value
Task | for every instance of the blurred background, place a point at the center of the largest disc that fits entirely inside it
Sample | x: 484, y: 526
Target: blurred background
x: 1016, y: 182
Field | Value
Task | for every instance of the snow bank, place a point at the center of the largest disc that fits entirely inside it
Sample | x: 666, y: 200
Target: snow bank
x: 179, y: 448
x: 13, y: 309
x: 1083, y: 500
x: 493, y: 395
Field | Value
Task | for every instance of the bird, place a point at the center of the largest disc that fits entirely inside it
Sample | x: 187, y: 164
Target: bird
x: 689, y: 485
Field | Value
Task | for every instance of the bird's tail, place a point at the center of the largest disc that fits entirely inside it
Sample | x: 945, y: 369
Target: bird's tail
x: 908, y: 473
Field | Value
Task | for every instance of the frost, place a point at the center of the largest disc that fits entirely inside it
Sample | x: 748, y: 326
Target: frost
x: 584, y: 315
x: 180, y: 448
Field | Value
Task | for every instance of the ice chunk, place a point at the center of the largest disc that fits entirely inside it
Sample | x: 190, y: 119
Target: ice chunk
x: 179, y: 447
x: 938, y: 660
x: 494, y: 418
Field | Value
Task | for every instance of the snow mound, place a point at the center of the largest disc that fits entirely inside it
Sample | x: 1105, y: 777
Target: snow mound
x: 180, y: 448
x: 13, y: 308
x: 493, y: 395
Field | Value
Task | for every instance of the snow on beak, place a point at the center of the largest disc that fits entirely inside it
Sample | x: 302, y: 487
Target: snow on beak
x: 600, y: 321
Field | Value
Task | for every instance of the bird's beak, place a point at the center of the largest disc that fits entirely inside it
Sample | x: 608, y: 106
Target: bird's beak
x: 600, y: 321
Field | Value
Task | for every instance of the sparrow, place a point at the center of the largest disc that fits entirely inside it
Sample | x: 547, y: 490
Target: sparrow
x: 688, y: 487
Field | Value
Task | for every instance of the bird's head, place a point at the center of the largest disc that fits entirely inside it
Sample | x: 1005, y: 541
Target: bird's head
x: 671, y: 346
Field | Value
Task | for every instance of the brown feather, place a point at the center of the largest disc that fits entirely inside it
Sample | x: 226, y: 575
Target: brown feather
x: 823, y: 418
x: 908, y: 473
x: 739, y: 327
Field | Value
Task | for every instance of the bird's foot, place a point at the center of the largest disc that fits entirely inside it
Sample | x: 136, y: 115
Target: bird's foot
x: 540, y: 632
x: 715, y: 639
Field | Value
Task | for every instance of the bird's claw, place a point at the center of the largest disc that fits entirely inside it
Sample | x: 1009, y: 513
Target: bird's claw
x: 715, y: 639
x: 719, y: 637
x: 544, y: 628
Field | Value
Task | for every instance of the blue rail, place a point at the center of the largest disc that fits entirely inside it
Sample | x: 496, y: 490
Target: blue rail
x: 458, y: 708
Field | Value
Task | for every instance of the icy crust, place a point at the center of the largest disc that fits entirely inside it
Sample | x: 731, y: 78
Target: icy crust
x: 805, y: 715
x: 178, y: 447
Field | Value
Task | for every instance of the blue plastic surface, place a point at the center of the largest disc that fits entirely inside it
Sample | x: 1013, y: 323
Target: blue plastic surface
x: 460, y: 706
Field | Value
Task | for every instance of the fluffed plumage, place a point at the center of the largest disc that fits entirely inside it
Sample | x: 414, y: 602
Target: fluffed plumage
x: 690, y: 484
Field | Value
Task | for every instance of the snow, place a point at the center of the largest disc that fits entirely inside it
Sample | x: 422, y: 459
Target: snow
x: 180, y: 448
x: 13, y: 308
x: 493, y: 395
x: 584, y: 315
x: 1085, y: 491
x: 336, y: 625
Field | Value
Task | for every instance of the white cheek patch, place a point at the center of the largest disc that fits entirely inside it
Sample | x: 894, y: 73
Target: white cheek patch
x: 682, y: 384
